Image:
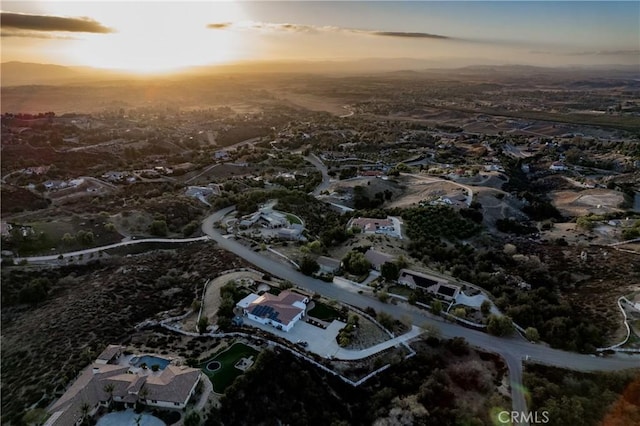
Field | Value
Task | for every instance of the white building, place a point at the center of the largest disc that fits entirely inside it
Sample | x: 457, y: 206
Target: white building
x: 557, y: 166
x: 281, y: 311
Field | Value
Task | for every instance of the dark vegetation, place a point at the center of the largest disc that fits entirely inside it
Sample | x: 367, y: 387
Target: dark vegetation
x: 430, y: 388
x: 56, y: 321
x: 561, y: 320
x: 15, y: 200
x: 588, y: 399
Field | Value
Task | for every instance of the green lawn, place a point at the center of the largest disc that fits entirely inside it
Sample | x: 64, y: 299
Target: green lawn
x: 228, y: 372
x: 293, y: 219
x: 323, y: 312
x: 400, y: 290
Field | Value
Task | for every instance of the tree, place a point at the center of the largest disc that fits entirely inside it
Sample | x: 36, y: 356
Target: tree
x: 315, y: 247
x: 84, y: 410
x: 460, y: 312
x: 383, y: 296
x: 485, y: 307
x: 192, y: 419
x: 158, y: 228
x: 389, y: 271
x: 203, y: 323
x: 109, y: 388
x: 499, y: 325
x: 143, y: 393
x: 436, y: 307
x: 356, y: 263
x: 286, y: 285
x: 34, y: 292
x: 67, y: 239
x: 309, y: 266
x: 386, y: 320
x: 224, y: 323
x: 84, y: 237
x: 585, y: 222
x: 531, y: 333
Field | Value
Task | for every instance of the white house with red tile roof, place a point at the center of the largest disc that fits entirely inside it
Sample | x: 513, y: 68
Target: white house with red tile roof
x: 281, y: 311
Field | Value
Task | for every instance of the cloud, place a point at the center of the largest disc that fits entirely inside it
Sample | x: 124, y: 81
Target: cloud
x: 299, y: 28
x: 220, y: 26
x: 30, y: 34
x: 631, y: 52
x: 408, y: 35
x: 45, y: 23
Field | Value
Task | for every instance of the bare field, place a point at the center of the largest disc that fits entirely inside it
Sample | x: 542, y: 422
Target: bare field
x: 580, y: 203
x: 417, y: 190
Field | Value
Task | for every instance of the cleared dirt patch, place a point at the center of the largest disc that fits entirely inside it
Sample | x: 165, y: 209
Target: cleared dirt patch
x: 580, y: 203
x: 417, y: 190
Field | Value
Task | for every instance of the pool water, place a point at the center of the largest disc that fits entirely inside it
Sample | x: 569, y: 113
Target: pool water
x: 128, y: 418
x: 150, y: 360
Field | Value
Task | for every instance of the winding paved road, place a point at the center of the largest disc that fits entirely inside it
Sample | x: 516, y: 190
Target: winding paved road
x: 513, y: 350
x: 326, y: 179
x: 38, y: 259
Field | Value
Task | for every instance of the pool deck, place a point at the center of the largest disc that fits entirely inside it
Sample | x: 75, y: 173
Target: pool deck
x: 125, y: 361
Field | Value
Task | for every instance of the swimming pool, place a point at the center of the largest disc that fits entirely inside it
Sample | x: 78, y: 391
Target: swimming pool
x: 128, y: 418
x: 150, y: 360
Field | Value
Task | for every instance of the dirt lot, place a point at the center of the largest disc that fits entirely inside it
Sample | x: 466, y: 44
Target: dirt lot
x: 382, y: 243
x: 417, y: 190
x: 580, y: 203
x: 373, y: 185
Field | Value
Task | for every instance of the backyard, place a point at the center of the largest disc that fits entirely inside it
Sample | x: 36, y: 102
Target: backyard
x: 222, y: 369
x: 324, y: 312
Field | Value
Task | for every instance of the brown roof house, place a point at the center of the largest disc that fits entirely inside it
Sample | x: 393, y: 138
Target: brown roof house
x: 122, y: 378
x: 281, y: 311
x: 328, y: 265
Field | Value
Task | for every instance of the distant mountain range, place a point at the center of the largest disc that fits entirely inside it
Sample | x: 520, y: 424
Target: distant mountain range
x: 22, y: 73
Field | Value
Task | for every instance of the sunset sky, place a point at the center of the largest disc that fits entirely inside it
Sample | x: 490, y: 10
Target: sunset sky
x: 160, y: 35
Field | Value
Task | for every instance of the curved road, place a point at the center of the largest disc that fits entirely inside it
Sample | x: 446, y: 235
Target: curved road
x: 513, y: 350
x: 36, y: 259
x: 326, y: 179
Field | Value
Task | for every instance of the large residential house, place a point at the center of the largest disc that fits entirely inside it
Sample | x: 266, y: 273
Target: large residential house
x: 375, y: 226
x: 116, y: 377
x: 281, y: 311
x: 429, y: 283
x: 371, y: 225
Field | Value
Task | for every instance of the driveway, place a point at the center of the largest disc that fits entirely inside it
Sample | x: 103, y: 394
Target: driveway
x: 321, y: 341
